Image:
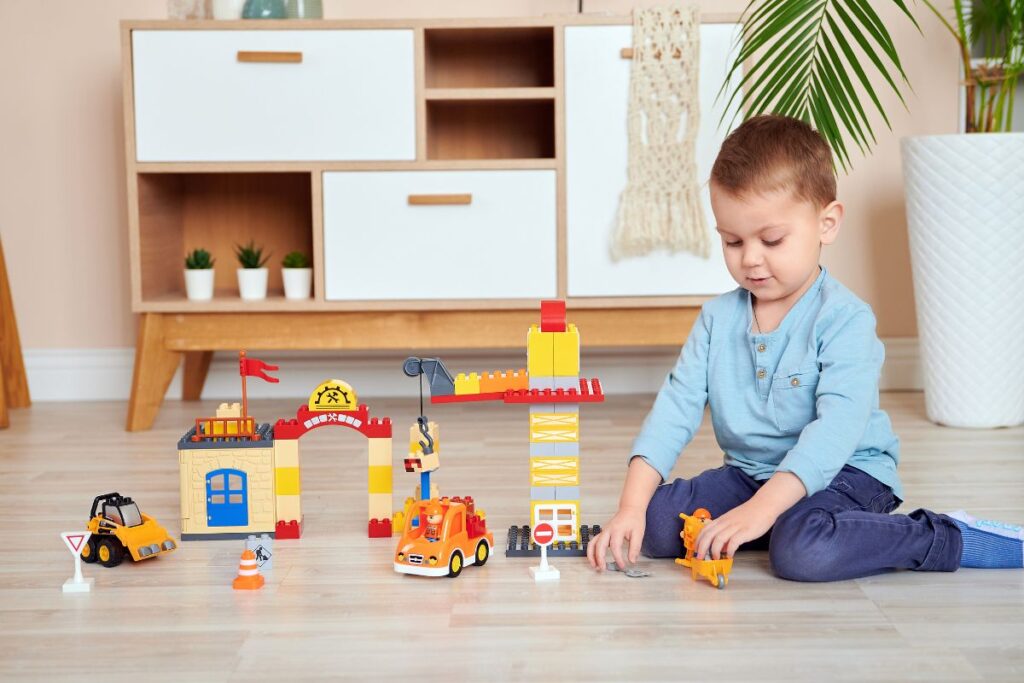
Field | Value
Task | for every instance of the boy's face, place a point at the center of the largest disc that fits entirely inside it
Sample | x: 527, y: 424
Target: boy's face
x: 772, y: 241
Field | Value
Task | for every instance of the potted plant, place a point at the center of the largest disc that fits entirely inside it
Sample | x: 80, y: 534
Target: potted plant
x: 296, y: 275
x: 199, y: 275
x: 965, y: 197
x: 252, y: 276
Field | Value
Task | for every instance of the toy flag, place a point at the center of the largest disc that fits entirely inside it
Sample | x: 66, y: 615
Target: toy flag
x: 251, y: 367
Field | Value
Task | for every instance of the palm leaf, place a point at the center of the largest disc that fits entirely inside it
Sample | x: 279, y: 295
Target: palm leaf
x: 799, y: 55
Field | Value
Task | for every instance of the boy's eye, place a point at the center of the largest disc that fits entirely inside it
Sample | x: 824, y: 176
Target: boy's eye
x: 733, y: 244
x: 773, y: 243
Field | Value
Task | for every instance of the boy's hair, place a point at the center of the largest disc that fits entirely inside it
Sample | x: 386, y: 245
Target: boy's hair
x: 770, y: 152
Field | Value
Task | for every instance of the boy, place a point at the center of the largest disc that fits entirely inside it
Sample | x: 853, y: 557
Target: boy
x: 789, y: 364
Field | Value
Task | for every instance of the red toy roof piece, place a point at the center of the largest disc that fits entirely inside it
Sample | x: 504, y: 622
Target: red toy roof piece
x: 552, y: 316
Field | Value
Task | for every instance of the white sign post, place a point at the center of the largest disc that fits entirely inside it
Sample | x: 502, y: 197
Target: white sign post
x: 544, y: 535
x: 75, y: 541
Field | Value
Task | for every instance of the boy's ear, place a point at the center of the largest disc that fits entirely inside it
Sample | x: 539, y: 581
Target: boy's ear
x: 831, y: 219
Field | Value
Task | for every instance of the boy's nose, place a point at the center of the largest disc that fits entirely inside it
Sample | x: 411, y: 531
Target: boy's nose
x: 751, y: 257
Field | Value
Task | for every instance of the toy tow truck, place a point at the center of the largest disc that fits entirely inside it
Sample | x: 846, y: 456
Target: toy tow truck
x: 715, y: 571
x: 442, y: 536
x: 118, y: 528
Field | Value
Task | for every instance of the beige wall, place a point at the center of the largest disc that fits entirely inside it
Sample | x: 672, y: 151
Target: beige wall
x: 62, y: 189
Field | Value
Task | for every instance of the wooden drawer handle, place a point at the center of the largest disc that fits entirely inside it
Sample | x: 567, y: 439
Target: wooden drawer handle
x: 270, y: 57
x: 439, y: 199
x: 626, y: 53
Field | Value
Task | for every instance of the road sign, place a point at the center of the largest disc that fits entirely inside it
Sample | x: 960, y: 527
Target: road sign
x: 76, y: 540
x: 543, y: 534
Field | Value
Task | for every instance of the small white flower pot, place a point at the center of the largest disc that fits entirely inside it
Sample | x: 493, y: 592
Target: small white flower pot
x: 228, y: 9
x: 199, y: 284
x: 298, y: 282
x: 252, y: 283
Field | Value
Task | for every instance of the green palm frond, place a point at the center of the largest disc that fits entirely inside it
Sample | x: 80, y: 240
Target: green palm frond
x: 807, y: 59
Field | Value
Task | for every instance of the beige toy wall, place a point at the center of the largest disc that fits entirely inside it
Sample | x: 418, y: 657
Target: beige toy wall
x: 62, y: 187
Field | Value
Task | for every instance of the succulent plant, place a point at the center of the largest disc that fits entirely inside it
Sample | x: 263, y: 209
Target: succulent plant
x: 199, y: 259
x: 250, y: 256
x: 295, y: 259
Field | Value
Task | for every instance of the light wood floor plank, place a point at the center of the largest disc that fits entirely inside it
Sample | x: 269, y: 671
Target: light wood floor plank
x: 334, y: 609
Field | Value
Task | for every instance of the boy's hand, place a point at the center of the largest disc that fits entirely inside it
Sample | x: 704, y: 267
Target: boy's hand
x: 628, y: 524
x: 722, y: 536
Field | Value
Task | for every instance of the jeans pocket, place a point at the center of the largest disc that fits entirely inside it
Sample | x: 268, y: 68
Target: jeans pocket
x: 794, y: 397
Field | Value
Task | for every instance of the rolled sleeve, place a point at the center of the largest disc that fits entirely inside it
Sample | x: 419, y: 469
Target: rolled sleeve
x: 850, y: 361
x: 679, y: 407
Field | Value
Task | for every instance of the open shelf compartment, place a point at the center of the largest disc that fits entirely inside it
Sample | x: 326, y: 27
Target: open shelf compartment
x: 179, y: 212
x: 490, y: 129
x: 490, y: 57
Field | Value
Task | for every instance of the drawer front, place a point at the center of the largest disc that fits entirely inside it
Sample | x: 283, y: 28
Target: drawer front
x: 439, y: 235
x: 351, y: 97
x: 597, y: 99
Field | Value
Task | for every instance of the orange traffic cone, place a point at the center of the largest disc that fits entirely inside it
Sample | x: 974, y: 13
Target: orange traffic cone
x: 249, y: 577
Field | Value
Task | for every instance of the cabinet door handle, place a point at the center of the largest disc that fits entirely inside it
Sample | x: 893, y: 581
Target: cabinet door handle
x: 270, y: 57
x: 439, y: 199
x: 626, y: 53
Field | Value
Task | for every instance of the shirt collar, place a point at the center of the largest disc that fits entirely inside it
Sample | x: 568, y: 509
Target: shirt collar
x: 793, y: 313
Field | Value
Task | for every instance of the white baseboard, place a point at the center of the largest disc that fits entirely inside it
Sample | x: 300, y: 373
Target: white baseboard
x: 106, y: 374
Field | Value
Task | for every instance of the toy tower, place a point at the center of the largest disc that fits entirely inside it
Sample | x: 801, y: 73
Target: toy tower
x: 553, y: 362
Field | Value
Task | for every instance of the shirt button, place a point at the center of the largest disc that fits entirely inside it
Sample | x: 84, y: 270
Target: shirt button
x: 761, y: 374
x: 761, y: 348
x: 795, y: 382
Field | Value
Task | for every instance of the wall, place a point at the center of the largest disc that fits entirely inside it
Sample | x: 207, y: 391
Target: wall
x: 62, y: 188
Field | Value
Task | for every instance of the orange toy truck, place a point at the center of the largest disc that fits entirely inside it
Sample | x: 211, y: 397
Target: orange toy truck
x: 715, y: 571
x: 461, y: 538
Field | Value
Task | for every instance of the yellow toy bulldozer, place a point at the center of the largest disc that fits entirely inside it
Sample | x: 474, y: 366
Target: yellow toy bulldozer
x: 118, y: 527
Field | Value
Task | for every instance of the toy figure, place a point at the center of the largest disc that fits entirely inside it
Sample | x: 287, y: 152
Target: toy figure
x: 715, y: 571
x: 434, y: 517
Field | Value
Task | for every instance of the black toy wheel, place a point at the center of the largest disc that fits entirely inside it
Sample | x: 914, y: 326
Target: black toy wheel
x: 455, y: 564
x: 483, y: 552
x: 109, y: 552
x: 89, y: 551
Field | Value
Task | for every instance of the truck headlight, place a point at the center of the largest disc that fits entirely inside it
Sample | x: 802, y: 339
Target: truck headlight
x: 401, y: 557
x: 433, y: 560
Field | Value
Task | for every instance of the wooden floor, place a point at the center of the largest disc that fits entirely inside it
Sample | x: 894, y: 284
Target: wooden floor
x: 333, y: 608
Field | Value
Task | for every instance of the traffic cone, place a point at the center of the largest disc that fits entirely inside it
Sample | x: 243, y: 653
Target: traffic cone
x: 249, y: 577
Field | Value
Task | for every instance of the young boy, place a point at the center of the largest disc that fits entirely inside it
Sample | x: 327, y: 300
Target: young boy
x: 789, y: 364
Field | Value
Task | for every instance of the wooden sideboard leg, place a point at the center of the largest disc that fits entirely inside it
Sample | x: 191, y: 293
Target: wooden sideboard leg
x: 12, y: 364
x: 197, y: 365
x: 5, y: 420
x: 154, y: 369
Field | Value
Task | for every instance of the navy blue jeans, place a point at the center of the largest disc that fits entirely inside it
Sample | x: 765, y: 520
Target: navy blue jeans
x: 842, y: 532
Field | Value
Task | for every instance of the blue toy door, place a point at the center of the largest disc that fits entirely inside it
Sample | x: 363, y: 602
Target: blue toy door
x: 227, y: 498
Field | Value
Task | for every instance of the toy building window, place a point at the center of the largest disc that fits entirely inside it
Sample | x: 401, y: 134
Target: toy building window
x: 236, y: 499
x: 217, y: 499
x: 545, y: 514
x: 234, y: 483
x: 217, y: 483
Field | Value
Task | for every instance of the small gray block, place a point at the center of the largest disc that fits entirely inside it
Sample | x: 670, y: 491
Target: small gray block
x: 567, y: 493
x: 567, y: 449
x: 543, y: 493
x: 538, y: 450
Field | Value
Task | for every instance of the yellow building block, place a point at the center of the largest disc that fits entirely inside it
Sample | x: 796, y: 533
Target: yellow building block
x: 379, y: 452
x: 379, y: 479
x: 555, y: 471
x: 540, y: 352
x: 567, y: 352
x: 380, y: 506
x: 398, y: 523
x: 554, y: 427
x: 467, y: 384
x: 286, y: 481
x: 229, y: 410
x: 289, y: 508
x: 286, y: 452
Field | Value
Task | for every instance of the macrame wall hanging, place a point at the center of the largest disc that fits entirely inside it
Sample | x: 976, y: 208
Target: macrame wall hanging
x: 660, y: 207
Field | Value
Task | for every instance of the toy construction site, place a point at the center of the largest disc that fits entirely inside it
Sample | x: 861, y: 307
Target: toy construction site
x: 240, y: 477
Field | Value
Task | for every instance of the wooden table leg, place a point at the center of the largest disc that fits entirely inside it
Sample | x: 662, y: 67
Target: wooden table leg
x: 155, y: 365
x: 197, y: 366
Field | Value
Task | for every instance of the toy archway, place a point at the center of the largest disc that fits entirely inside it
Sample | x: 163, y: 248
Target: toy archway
x: 334, y: 402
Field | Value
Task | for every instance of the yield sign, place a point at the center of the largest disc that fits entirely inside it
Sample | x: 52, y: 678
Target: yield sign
x: 75, y: 540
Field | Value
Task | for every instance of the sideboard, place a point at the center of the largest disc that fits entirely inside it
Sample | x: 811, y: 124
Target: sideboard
x: 443, y: 175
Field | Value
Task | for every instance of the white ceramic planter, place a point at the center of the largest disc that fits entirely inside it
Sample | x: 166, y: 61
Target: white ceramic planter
x: 228, y: 9
x: 252, y: 283
x: 199, y: 284
x: 965, y: 213
x: 298, y: 282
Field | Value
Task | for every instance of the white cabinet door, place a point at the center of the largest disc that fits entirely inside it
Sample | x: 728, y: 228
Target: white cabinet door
x: 597, y: 93
x: 500, y: 245
x: 350, y: 98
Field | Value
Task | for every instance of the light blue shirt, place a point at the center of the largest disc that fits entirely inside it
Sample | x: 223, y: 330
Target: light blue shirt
x: 800, y: 399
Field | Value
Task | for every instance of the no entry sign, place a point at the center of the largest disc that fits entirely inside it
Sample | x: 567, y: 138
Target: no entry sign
x: 543, y: 534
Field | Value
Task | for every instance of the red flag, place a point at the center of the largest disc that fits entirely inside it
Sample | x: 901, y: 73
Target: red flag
x: 251, y: 367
